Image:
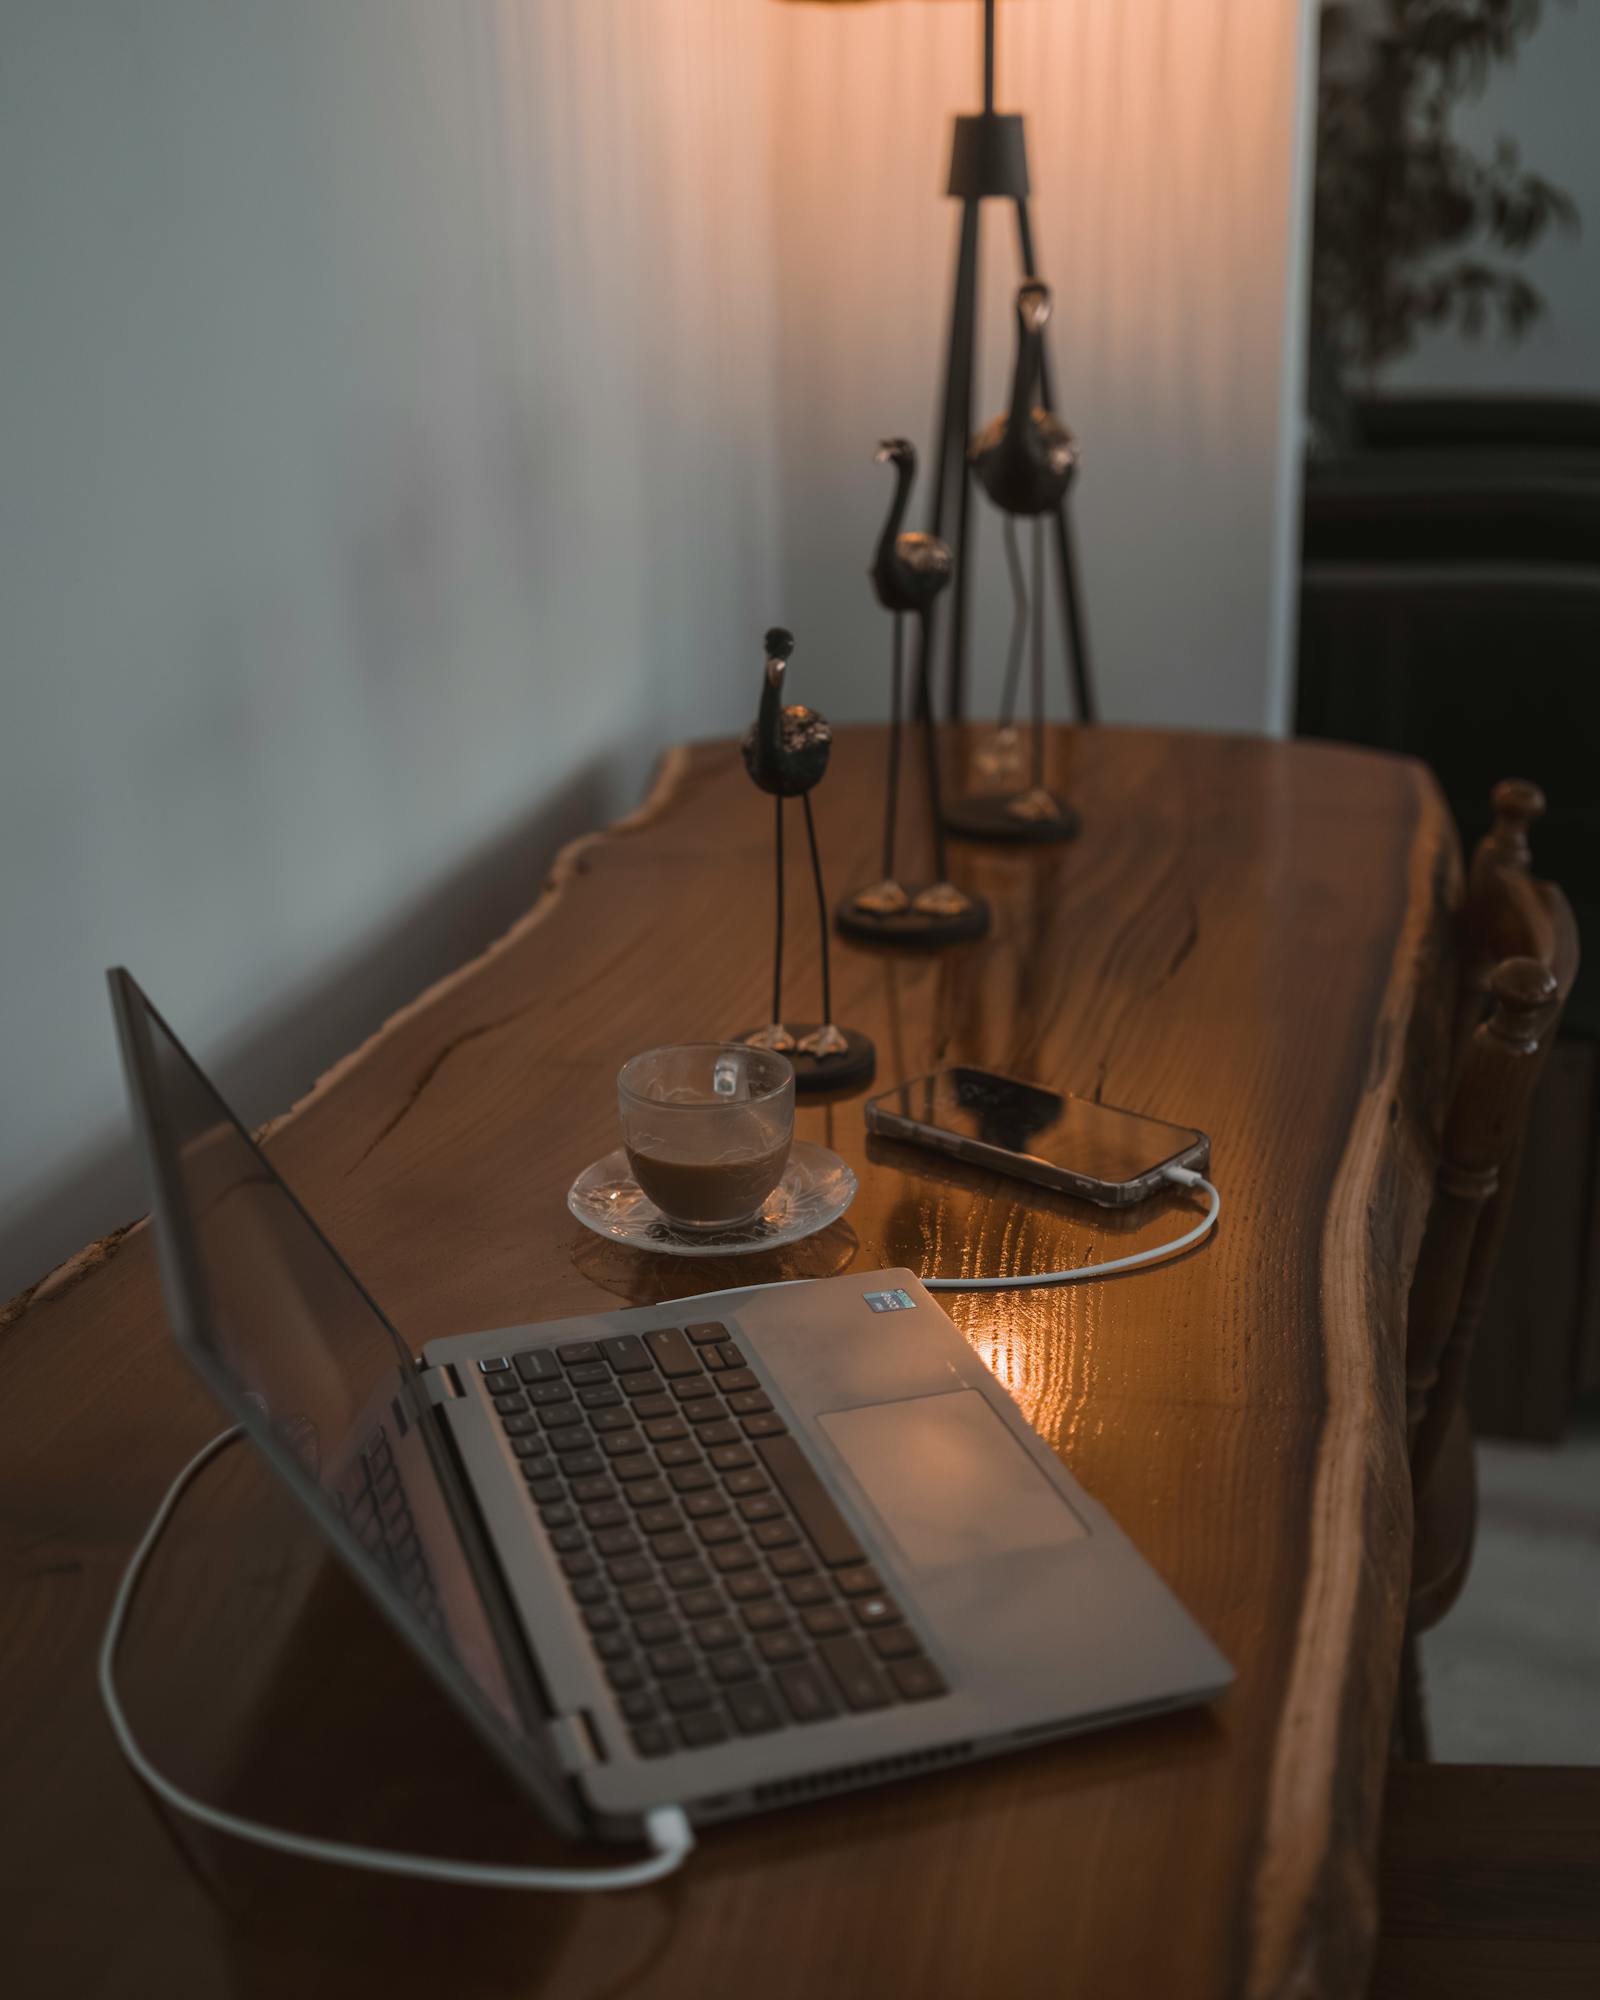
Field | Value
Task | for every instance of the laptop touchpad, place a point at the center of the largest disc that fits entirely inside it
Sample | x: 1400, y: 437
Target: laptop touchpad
x: 949, y: 1481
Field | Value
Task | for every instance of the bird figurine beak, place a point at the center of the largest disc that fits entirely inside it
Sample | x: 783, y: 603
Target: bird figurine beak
x: 885, y: 451
x: 776, y: 669
x: 1033, y: 306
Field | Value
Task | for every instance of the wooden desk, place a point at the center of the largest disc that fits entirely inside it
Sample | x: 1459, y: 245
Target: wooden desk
x: 1248, y: 936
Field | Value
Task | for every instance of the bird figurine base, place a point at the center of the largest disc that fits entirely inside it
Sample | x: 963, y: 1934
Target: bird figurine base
x: 927, y: 928
x: 1016, y: 817
x: 849, y: 1066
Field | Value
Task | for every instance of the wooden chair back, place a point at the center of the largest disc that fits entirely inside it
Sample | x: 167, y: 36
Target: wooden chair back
x: 1519, y: 957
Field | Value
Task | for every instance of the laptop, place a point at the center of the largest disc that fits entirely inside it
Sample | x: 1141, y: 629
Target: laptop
x: 723, y: 1553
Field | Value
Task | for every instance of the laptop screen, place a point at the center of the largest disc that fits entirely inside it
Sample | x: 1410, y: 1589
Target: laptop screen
x: 299, y: 1352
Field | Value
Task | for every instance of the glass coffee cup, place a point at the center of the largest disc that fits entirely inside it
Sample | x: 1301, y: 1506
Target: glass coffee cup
x: 707, y: 1127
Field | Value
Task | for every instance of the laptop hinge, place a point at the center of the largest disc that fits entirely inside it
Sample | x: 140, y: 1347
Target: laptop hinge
x: 572, y: 1738
x: 439, y: 1386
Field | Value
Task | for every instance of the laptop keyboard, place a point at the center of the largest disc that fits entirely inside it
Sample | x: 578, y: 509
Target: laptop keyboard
x: 724, y: 1593
x: 374, y: 1502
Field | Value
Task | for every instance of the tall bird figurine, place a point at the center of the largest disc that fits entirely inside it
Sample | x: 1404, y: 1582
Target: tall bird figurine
x: 1025, y: 460
x: 786, y: 753
x: 909, y: 570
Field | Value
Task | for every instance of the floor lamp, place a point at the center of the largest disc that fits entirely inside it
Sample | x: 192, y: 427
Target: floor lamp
x: 989, y: 162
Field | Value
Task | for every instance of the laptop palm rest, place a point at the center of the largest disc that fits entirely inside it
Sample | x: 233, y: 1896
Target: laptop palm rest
x: 949, y: 1482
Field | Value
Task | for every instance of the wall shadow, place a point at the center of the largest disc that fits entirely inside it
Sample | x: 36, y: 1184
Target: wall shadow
x: 275, y: 1057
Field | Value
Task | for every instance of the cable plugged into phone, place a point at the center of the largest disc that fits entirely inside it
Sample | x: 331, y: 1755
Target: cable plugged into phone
x: 666, y: 1827
x: 1158, y: 1253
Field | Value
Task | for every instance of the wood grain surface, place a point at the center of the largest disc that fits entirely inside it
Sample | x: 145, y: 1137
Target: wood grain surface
x: 1250, y: 937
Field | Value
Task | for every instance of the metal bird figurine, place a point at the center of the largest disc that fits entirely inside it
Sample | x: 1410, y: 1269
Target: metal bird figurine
x: 909, y: 570
x: 786, y: 753
x: 1025, y: 459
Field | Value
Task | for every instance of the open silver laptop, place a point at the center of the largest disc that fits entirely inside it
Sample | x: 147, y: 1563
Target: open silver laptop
x: 720, y: 1553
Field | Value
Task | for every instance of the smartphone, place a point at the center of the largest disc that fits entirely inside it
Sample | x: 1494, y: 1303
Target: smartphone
x: 1068, y: 1143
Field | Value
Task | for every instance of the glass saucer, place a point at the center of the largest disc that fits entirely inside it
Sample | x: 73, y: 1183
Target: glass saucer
x: 816, y: 1189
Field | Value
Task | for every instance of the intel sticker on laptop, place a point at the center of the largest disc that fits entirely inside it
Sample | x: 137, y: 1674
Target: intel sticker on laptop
x: 890, y: 1302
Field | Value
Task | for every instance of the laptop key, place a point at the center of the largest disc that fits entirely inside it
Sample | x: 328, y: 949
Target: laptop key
x: 659, y: 1629
x: 766, y: 1614
x: 731, y: 1556
x: 577, y: 1464
x: 591, y: 1590
x: 830, y: 1533
x: 659, y: 1520
x: 532, y: 1446
x: 647, y: 1399
x: 494, y: 1364
x: 601, y: 1618
x: 806, y: 1693
x: 666, y: 1662
x: 625, y: 1675
x: 749, y: 1403
x: 731, y: 1458
x: 730, y: 1668
x: 591, y: 1375
x: 592, y: 1489
x: 631, y: 1570
x: 775, y: 1534
x: 619, y: 1444
x: 679, y: 1454
x: 706, y: 1411
x: 671, y: 1353
x: 722, y: 1432
x: 754, y: 1711
x: 613, y: 1646
x: 616, y: 1542
x: 803, y: 1590
x: 723, y: 1355
x: 612, y: 1420
x: 556, y: 1417
x: 894, y: 1642
x: 651, y: 1740
x: 717, y: 1528
x: 575, y: 1352
x: 557, y: 1515
x: 687, y: 1575
x: 666, y: 1430
x: 644, y: 1598
x: 880, y: 1610
x: 741, y: 1483
x: 702, y: 1730
x: 746, y: 1588
x: 579, y: 1563
x: 689, y: 1692
x: 706, y: 1330
x: 917, y: 1680
x: 566, y: 1540
x: 543, y: 1394
x: 769, y: 1426
x: 861, y: 1580
x: 625, y: 1352
x: 676, y: 1547
x: 714, y: 1634
x: 701, y: 1506
x: 736, y: 1377
x: 538, y: 1364
x: 857, y: 1678
x: 648, y: 1493
x: 605, y: 1514
x: 639, y: 1707
x: 545, y: 1490
x: 519, y: 1426
x: 825, y: 1621
x: 778, y: 1648
x: 701, y: 1603
x: 689, y: 1478
x: 636, y: 1467
x: 606, y: 1397
x: 511, y: 1406
x: 761, y: 1507
x: 691, y: 1388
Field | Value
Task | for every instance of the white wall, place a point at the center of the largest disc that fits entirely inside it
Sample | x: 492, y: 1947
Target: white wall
x: 412, y: 410
x: 385, y: 468
x: 1545, y: 101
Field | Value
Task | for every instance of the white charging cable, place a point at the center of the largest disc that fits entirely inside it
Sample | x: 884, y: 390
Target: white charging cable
x: 1157, y: 1254
x: 667, y: 1827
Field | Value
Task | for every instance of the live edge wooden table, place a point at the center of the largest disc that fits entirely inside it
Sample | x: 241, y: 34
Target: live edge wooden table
x: 1248, y: 936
